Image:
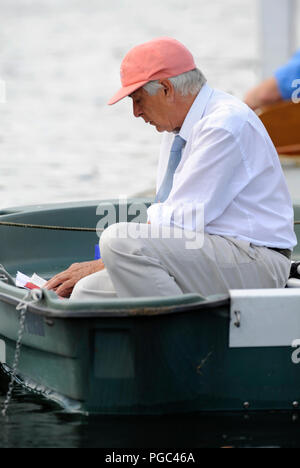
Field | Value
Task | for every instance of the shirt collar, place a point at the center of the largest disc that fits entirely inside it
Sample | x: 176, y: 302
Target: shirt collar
x: 196, y: 111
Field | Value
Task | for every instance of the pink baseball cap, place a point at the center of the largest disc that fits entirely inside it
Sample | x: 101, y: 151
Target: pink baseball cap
x: 157, y: 59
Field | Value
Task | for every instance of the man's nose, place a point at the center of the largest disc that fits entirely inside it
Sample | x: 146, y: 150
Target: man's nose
x: 137, y: 111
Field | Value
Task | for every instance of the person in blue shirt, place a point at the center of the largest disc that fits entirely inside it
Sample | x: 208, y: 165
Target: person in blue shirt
x: 284, y: 84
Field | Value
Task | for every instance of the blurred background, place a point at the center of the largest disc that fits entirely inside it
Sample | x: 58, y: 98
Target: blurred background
x: 60, y: 60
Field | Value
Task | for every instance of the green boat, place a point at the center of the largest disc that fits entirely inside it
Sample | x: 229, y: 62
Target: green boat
x: 144, y: 356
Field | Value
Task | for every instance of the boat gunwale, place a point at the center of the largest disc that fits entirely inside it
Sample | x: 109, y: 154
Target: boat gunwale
x: 142, y: 311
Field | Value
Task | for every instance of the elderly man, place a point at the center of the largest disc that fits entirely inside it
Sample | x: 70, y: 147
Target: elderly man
x: 215, y: 154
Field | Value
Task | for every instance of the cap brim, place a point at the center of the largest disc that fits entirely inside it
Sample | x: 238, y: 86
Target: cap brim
x: 126, y: 91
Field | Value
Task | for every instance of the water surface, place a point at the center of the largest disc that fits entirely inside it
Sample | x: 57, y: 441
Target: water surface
x: 32, y: 423
x: 60, y: 59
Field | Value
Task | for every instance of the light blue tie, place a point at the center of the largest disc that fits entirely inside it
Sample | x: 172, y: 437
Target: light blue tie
x: 174, y: 160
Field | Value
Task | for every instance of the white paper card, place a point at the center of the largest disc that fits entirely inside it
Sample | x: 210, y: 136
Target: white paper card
x: 22, y: 280
x: 37, y: 280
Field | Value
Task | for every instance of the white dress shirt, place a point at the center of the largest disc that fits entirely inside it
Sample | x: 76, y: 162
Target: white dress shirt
x: 229, y: 166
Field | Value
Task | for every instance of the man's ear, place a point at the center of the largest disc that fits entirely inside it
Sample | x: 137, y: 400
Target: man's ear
x: 168, y: 89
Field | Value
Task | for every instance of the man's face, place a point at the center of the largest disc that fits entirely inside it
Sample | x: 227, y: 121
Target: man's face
x: 155, y: 110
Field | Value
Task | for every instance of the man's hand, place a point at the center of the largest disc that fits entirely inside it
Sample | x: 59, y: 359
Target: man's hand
x: 63, y: 283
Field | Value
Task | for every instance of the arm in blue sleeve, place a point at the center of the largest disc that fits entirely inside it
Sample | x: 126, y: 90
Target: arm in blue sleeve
x: 287, y: 74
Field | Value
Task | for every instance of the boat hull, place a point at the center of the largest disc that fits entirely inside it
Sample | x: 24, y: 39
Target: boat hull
x: 165, y: 364
x: 148, y: 356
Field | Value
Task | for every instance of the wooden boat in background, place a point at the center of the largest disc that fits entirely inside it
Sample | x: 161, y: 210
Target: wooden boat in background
x: 282, y: 120
x: 141, y: 356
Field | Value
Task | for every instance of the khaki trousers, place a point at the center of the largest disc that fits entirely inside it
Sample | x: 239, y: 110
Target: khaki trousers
x: 163, y: 266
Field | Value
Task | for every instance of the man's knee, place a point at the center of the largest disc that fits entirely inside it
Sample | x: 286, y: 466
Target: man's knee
x: 99, y: 282
x: 120, y: 238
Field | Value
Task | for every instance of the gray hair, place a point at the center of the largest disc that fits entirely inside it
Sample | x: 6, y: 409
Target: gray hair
x: 186, y: 83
